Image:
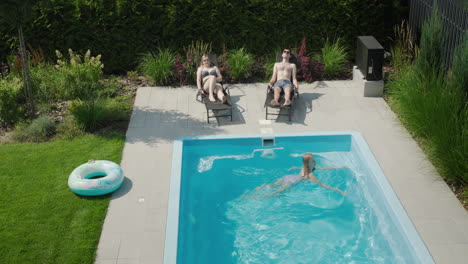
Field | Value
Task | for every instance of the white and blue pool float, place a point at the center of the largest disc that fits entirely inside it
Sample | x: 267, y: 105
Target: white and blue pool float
x: 81, y: 179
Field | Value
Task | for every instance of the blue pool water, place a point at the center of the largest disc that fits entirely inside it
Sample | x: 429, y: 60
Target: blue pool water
x: 222, y: 218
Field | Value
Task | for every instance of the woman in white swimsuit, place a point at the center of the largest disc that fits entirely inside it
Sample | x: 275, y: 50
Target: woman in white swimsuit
x: 207, y: 78
x: 307, y: 169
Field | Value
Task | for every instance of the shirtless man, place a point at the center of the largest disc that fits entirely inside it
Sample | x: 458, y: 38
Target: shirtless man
x: 281, y: 79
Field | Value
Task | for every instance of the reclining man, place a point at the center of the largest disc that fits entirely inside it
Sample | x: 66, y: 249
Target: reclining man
x: 281, y: 79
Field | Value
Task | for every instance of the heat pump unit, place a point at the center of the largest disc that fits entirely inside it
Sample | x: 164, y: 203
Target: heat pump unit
x: 369, y: 58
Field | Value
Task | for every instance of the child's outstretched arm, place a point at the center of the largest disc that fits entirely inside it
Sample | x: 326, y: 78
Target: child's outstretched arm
x: 329, y: 187
x: 295, y: 168
x: 314, y: 179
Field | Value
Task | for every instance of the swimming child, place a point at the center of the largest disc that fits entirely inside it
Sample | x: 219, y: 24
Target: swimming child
x: 288, y: 181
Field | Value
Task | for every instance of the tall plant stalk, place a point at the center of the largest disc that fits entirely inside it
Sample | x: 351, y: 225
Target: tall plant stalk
x: 26, y: 73
x: 17, y: 13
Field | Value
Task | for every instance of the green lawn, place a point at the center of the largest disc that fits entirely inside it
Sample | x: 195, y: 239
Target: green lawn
x: 41, y: 220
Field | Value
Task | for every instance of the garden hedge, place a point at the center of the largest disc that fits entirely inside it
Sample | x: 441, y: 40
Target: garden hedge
x: 121, y: 30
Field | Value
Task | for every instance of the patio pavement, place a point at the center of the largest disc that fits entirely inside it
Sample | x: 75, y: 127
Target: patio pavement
x: 134, y: 229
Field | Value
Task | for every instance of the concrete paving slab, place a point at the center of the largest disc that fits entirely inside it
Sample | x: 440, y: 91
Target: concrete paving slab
x: 128, y: 261
x: 449, y: 253
x: 134, y: 228
x: 106, y: 261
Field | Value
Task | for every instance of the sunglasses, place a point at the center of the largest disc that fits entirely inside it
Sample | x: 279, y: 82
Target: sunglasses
x: 205, y: 60
x: 286, y: 51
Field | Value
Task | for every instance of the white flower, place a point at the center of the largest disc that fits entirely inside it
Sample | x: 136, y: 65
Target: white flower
x: 87, y: 55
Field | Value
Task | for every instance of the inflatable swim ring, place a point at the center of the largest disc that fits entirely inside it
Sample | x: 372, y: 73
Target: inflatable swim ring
x: 81, y: 179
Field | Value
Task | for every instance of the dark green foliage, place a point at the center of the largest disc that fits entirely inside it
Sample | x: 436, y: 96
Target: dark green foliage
x: 15, y: 14
x: 10, y: 93
x: 120, y: 30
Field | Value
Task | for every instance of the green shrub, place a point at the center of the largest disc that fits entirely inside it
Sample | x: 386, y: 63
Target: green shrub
x: 132, y: 76
x: 40, y: 129
x: 334, y: 55
x: 95, y: 114
x: 240, y: 62
x: 119, y: 109
x: 10, y: 93
x: 45, y: 79
x: 110, y: 87
x: 158, y: 67
x: 71, y: 78
x: 69, y: 129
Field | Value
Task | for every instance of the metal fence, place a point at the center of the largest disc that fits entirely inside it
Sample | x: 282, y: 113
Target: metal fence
x: 454, y: 17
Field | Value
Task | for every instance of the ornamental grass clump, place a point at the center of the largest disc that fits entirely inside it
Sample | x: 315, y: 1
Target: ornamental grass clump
x: 94, y: 114
x: 334, y: 55
x: 433, y: 104
x: 433, y: 39
x: 405, y: 49
x: 90, y: 115
x: 158, y: 67
x: 240, y: 62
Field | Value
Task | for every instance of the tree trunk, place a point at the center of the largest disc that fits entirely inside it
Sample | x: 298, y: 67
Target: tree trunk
x: 26, y: 75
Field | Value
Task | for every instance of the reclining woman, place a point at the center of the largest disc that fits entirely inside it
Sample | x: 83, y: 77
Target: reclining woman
x: 208, y: 77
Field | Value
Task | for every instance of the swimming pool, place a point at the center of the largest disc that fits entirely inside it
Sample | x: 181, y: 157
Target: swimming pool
x: 216, y: 215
